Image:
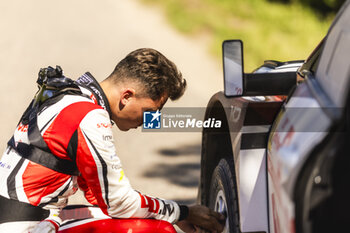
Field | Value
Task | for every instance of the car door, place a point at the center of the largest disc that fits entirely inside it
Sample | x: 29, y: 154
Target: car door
x: 306, y: 119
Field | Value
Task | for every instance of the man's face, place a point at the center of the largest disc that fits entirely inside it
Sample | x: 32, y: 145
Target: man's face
x: 130, y: 114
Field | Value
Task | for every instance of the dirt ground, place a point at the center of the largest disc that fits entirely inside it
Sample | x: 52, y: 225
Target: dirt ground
x: 93, y: 36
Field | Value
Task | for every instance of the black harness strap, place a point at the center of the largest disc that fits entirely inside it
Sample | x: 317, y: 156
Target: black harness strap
x: 47, y: 159
x: 34, y: 135
x: 13, y: 210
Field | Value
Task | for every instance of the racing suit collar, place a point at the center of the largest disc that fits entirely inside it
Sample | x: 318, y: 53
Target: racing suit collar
x: 88, y: 81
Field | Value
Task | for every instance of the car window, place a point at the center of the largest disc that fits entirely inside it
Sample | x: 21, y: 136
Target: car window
x: 333, y: 70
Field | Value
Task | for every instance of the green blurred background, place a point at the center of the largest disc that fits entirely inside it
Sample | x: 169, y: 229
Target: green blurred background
x: 270, y: 29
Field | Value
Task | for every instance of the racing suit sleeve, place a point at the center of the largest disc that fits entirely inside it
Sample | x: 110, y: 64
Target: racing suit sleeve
x: 101, y: 168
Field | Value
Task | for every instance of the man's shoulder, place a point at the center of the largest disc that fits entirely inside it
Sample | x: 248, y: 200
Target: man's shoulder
x: 79, y: 107
x: 69, y: 109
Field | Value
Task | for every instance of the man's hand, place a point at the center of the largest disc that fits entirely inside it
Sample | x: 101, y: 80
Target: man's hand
x: 201, y: 217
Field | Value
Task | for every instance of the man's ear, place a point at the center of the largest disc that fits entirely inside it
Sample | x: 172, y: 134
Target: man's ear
x: 126, y: 95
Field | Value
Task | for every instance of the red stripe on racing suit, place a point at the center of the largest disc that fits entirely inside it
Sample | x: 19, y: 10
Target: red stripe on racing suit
x: 51, y: 183
x: 89, y: 195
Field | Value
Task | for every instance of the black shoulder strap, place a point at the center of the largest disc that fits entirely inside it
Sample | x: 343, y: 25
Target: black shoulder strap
x: 38, y: 151
x: 52, y: 87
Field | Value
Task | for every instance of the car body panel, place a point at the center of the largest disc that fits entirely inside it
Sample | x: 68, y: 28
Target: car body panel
x: 291, y: 141
x: 253, y: 190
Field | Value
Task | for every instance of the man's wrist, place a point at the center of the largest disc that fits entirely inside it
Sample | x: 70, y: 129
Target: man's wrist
x: 184, y: 210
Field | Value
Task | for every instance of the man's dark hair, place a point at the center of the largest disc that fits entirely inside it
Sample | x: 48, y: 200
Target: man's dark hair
x: 157, y: 74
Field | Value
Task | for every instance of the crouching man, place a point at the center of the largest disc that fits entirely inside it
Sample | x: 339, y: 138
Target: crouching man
x: 64, y: 141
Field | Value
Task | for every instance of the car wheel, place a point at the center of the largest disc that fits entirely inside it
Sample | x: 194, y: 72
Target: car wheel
x: 223, y: 194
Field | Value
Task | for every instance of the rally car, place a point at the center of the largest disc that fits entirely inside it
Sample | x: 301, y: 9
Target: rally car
x: 280, y: 162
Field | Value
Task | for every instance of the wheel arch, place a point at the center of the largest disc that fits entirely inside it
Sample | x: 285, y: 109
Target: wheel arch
x: 216, y: 144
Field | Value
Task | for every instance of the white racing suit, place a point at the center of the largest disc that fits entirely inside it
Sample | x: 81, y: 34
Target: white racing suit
x: 80, y: 125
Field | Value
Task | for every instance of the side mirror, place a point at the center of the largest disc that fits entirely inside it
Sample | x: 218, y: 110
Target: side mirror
x: 237, y: 83
x: 232, y: 51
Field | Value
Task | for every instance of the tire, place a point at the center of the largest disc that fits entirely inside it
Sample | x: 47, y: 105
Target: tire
x: 223, y: 194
